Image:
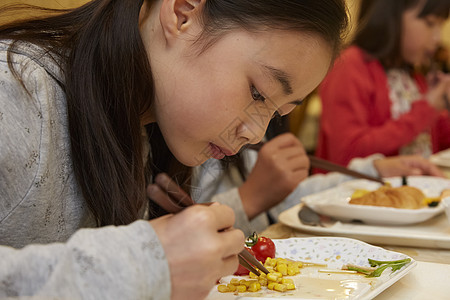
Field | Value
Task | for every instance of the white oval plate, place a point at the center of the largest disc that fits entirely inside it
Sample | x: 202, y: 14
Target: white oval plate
x: 334, y: 202
x: 333, y: 252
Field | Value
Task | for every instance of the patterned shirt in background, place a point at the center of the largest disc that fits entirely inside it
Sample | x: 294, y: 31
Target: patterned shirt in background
x: 403, y: 91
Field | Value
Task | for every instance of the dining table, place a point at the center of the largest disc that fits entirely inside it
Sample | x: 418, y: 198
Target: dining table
x: 429, y: 279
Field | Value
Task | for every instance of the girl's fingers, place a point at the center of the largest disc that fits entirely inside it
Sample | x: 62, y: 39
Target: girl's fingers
x: 230, y: 265
x: 299, y: 162
x: 216, y: 217
x: 282, y: 141
x: 222, y: 216
x: 426, y: 167
x: 161, y: 198
x: 291, y: 152
x: 173, y: 189
x: 300, y: 174
x: 233, y: 241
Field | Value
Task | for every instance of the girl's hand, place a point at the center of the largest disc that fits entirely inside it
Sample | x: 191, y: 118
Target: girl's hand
x: 439, y: 91
x: 281, y: 165
x: 406, y: 165
x: 201, y: 246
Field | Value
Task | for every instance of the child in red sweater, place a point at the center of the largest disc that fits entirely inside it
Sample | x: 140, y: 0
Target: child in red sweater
x: 373, y: 101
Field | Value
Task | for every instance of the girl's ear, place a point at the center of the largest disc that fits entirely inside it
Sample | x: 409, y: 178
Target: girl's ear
x: 177, y: 16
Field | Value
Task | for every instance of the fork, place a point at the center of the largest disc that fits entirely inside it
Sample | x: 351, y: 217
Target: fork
x: 171, y: 197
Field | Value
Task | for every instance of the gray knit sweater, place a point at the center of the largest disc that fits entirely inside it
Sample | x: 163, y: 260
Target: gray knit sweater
x: 44, y: 253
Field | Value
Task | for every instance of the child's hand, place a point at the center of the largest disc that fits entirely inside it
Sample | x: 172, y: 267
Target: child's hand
x: 439, y: 92
x: 201, y: 246
x: 282, y: 164
x: 406, y: 165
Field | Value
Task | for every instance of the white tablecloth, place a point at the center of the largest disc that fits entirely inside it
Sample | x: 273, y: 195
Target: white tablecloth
x: 426, y: 281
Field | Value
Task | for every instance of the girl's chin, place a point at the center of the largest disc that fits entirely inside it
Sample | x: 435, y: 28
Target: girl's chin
x: 197, y: 157
x: 193, y: 161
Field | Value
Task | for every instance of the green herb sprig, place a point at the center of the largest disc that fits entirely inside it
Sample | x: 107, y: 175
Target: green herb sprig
x: 381, y: 266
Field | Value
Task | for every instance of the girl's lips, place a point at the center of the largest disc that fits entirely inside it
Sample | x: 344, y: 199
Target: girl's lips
x: 216, y: 152
x: 226, y: 152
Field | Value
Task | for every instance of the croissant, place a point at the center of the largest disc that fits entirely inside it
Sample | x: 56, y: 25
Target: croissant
x: 400, y: 197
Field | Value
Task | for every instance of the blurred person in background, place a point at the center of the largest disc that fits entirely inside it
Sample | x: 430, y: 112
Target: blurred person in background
x: 373, y: 100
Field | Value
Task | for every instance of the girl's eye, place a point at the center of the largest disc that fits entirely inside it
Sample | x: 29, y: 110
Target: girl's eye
x: 256, y: 95
x: 429, y: 23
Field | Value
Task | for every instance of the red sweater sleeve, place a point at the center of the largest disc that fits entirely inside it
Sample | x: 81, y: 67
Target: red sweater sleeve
x: 356, y: 119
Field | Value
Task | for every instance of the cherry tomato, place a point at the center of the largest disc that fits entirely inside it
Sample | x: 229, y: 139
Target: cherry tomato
x: 263, y: 247
x: 241, y: 270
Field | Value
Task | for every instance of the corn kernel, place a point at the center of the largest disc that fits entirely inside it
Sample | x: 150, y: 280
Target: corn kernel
x: 241, y: 288
x: 269, y: 268
x: 234, y: 281
x: 290, y: 286
x: 272, y: 277
x: 232, y: 287
x: 250, y: 282
x: 292, y: 270
x: 271, y: 285
x: 243, y: 282
x: 270, y: 262
x: 282, y: 268
x: 254, y: 287
x: 287, y: 280
x: 223, y: 288
x: 263, y: 281
x: 278, y: 274
x: 253, y: 275
x: 280, y: 287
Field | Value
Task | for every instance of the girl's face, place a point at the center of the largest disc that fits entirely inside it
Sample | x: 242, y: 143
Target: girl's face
x: 420, y: 37
x: 211, y: 103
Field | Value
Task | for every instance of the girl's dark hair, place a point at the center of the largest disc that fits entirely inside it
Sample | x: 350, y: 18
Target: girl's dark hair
x: 380, y: 26
x: 109, y: 84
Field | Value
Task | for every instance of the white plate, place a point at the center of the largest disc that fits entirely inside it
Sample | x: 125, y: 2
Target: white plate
x: 334, y: 252
x: 334, y: 202
x: 441, y: 158
x: 434, y: 233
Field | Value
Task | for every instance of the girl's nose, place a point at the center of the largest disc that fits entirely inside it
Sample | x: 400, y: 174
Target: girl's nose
x: 252, y: 131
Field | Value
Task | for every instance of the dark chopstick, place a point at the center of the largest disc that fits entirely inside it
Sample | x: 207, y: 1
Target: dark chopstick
x: 245, y: 255
x: 328, y: 166
x: 246, y: 264
x: 180, y: 200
